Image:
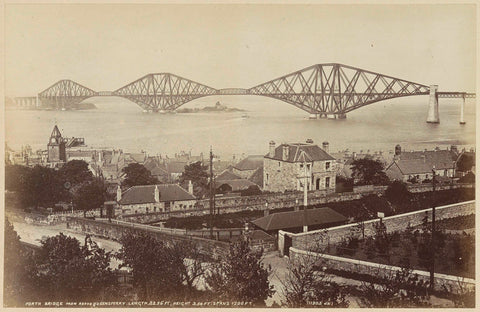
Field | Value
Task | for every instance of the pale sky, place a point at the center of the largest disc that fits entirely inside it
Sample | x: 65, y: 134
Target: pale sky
x: 105, y: 47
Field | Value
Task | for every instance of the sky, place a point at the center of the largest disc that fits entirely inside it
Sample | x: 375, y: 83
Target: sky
x: 106, y: 46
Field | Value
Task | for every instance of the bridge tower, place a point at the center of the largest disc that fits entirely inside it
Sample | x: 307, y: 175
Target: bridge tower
x: 433, y: 116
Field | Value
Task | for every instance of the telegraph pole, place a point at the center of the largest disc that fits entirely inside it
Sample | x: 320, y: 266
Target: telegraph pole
x: 305, y: 197
x: 432, y: 265
x: 212, y: 194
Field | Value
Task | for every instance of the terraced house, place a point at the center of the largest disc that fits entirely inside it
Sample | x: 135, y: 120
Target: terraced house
x: 286, y: 166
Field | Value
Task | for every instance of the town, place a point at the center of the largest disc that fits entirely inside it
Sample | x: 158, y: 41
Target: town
x: 353, y: 212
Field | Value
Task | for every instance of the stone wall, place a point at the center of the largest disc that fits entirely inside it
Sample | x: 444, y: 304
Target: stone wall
x: 333, y: 235
x: 115, y: 230
x: 455, y: 283
x: 275, y: 201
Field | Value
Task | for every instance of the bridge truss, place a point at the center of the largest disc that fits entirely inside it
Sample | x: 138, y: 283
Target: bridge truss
x: 323, y: 89
x: 65, y: 93
x: 336, y: 89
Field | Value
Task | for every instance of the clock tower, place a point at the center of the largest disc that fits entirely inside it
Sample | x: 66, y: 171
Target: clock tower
x: 56, y: 147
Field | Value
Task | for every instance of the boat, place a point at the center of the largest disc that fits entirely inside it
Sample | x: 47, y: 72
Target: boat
x: 245, y: 116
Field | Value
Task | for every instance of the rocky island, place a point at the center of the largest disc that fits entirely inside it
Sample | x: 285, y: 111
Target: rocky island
x: 207, y: 109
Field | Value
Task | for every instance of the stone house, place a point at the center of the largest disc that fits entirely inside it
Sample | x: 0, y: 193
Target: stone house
x: 418, y: 165
x: 155, y: 198
x: 248, y: 166
x: 287, y: 166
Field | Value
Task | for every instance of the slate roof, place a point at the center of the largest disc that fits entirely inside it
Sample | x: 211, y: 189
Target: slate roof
x: 412, y: 166
x: 257, y: 177
x: 176, y: 166
x: 252, y: 162
x: 299, y: 152
x: 293, y: 219
x: 237, y: 185
x: 442, y: 159
x: 143, y: 194
x: 227, y: 175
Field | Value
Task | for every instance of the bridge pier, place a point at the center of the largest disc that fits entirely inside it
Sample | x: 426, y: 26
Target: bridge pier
x: 462, y: 108
x: 433, y: 116
x: 341, y: 116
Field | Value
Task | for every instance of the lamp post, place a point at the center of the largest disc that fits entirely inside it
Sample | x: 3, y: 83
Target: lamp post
x: 432, y: 266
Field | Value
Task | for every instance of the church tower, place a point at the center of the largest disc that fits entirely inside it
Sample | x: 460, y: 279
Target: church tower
x: 56, y: 147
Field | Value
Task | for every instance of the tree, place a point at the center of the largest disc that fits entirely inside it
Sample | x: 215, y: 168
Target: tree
x: 15, y: 177
x: 90, y: 196
x: 76, y: 173
x: 197, y: 173
x: 240, y: 276
x: 465, y: 162
x: 137, y: 174
x: 18, y: 270
x: 468, y: 178
x: 69, y: 271
x: 401, y: 289
x: 304, y: 286
x: 397, y: 193
x: 156, y: 267
x: 368, y: 171
x: 43, y: 187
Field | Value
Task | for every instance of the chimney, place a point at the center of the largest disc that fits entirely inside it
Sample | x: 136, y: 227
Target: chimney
x: 190, y: 187
x: 271, y: 151
x: 325, y: 146
x: 119, y: 193
x: 266, y: 212
x: 285, y: 152
x: 156, y: 194
x: 354, y: 155
x: 398, y: 150
x: 309, y: 141
x: 454, y: 149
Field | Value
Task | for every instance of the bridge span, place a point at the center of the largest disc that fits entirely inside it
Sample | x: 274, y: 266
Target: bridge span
x: 322, y: 90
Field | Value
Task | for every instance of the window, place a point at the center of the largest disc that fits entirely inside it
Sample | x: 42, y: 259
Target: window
x: 327, y: 165
x: 266, y: 179
x: 327, y: 182
x: 154, y: 209
x: 308, y: 166
x: 279, y: 164
x: 301, y: 166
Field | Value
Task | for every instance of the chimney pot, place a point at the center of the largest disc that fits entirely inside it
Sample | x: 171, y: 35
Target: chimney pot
x: 325, y: 146
x: 119, y: 193
x: 271, y: 151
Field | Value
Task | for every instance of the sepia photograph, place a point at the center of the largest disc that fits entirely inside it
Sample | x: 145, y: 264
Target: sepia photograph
x: 239, y: 155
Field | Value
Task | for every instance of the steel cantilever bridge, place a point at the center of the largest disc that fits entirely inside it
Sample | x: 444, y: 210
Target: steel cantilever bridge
x: 322, y: 89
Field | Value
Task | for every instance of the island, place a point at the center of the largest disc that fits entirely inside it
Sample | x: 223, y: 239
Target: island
x: 207, y: 109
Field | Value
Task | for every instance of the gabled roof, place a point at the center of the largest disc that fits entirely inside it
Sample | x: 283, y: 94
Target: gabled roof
x: 143, y: 194
x: 227, y: 175
x: 236, y: 185
x: 442, y: 159
x: 294, y: 219
x: 412, y: 166
x: 299, y: 152
x: 252, y: 162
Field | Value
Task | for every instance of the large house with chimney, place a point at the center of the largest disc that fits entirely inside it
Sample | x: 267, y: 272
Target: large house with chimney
x: 155, y: 198
x: 287, y: 166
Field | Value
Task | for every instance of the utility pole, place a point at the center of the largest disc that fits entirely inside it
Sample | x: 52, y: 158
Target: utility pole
x: 305, y: 197
x: 432, y: 266
x: 212, y: 194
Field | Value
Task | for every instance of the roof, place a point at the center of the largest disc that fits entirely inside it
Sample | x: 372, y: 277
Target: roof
x: 412, y: 166
x: 257, y: 177
x: 299, y: 152
x: 442, y: 159
x: 293, y: 219
x: 252, y: 162
x: 56, y: 133
x: 80, y: 153
x: 227, y: 175
x: 143, y: 194
x: 259, y: 235
x: 236, y: 185
x: 176, y: 167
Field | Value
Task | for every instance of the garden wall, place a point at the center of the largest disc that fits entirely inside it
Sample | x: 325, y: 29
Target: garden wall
x: 333, y: 235
x: 453, y: 283
x: 115, y: 230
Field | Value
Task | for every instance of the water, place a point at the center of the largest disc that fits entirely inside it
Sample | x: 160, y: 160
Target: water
x: 119, y: 123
